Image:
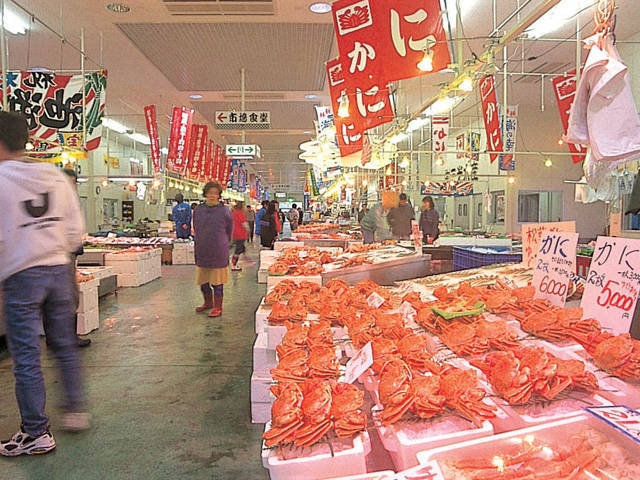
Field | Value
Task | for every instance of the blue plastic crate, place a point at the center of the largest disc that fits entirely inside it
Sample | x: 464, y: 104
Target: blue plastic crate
x: 465, y: 258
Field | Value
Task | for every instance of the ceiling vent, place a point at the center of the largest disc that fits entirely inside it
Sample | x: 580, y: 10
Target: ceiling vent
x: 255, y: 96
x: 219, y: 7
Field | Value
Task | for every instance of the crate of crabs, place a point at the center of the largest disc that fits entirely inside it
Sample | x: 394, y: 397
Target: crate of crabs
x: 575, y: 447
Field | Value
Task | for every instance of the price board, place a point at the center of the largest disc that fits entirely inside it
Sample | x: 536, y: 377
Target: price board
x: 554, y: 266
x: 358, y: 364
x: 620, y: 417
x: 531, y: 234
x: 612, y: 285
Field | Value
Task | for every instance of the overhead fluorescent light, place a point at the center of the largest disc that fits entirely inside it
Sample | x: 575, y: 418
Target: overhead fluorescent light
x: 398, y: 137
x: 195, y: 96
x: 320, y: 7
x: 557, y: 17
x: 114, y: 125
x: 14, y: 24
x: 140, y: 138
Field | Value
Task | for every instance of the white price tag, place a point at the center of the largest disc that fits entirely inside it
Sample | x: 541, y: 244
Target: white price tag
x: 303, y: 254
x: 375, y: 300
x: 554, y: 266
x: 407, y: 311
x: 359, y: 363
x: 621, y: 418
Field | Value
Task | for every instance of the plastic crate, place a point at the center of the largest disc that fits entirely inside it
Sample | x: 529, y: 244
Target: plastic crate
x: 465, y: 258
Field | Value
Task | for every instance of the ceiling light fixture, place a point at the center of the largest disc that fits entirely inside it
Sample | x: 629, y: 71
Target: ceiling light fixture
x: 114, y: 125
x: 14, y: 24
x: 320, y: 7
x: 343, y: 109
x: 311, y: 96
x: 466, y: 85
x: 439, y: 162
x: 426, y: 64
x: 557, y: 17
x: 548, y: 162
x: 118, y: 8
x: 195, y: 96
x: 511, y: 179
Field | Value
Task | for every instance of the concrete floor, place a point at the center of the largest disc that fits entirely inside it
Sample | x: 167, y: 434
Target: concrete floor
x: 169, y: 389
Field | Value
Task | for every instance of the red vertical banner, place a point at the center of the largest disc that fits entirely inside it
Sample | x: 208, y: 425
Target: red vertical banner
x: 218, y: 171
x: 490, y: 116
x: 152, y: 130
x: 208, y: 167
x: 388, y: 38
x: 199, y: 137
x: 349, y: 130
x: 564, y: 88
x: 226, y: 169
x: 179, y: 137
x: 439, y: 134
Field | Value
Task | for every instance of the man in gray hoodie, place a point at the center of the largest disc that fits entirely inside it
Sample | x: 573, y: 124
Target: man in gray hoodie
x: 41, y: 225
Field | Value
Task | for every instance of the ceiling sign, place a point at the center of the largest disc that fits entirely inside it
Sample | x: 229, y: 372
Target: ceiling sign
x: 242, y: 151
x: 249, y: 120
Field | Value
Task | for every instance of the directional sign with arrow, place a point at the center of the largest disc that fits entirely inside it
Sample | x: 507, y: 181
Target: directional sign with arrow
x: 242, y: 151
x: 246, y: 120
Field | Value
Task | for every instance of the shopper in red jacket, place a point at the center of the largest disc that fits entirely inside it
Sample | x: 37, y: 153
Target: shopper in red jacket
x: 240, y: 234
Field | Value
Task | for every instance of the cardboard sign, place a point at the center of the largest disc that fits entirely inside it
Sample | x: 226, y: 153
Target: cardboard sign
x: 613, y: 283
x: 358, y: 364
x: 554, y: 266
x: 531, y: 234
x: 623, y: 419
x: 416, y: 236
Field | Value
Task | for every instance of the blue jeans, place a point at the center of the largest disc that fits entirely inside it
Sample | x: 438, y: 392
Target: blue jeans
x: 368, y: 236
x: 33, y: 297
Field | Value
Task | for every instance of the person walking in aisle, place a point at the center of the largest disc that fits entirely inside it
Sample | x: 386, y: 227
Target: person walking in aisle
x: 213, y: 227
x: 400, y: 218
x: 279, y: 218
x: 269, y: 226
x: 429, y: 220
x: 240, y: 234
x: 40, y: 227
x: 294, y: 217
x: 374, y: 224
x: 181, y: 216
x: 259, y: 214
x: 251, y: 219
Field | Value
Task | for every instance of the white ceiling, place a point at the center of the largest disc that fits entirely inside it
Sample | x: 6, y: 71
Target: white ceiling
x: 162, y: 51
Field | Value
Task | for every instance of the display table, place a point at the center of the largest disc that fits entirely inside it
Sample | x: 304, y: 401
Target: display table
x: 135, y: 268
x: 383, y: 273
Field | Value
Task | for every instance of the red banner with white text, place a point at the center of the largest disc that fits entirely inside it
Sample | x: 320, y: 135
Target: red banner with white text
x: 152, y: 130
x: 387, y: 39
x: 564, y: 88
x: 179, y: 137
x: 197, y: 152
x: 218, y: 170
x: 349, y: 130
x: 490, y: 116
x: 208, y: 166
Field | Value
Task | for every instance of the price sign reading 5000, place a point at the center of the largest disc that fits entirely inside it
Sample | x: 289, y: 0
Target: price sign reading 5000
x: 611, y: 297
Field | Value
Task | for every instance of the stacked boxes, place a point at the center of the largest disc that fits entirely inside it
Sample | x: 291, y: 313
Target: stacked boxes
x: 88, y: 314
x: 183, y: 253
x: 135, y: 268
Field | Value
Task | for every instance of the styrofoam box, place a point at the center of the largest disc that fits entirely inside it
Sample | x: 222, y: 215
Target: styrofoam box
x: 263, y: 274
x: 260, y: 385
x: 262, y: 312
x: 97, y: 272
x: 88, y: 299
x: 260, y: 412
x: 551, y: 434
x: 381, y: 475
x: 318, y: 461
x: 264, y: 358
x: 404, y: 440
x: 273, y: 280
x: 282, y: 245
x: 88, y: 321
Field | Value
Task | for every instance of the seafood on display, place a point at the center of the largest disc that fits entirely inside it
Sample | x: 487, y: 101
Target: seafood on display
x: 618, y: 355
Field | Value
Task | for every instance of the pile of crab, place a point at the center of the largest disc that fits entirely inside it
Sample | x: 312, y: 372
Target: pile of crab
x: 300, y: 261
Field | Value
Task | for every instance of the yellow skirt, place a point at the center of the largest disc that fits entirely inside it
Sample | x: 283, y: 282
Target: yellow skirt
x: 214, y: 276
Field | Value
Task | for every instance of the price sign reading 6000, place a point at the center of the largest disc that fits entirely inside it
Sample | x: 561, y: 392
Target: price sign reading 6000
x: 553, y: 287
x: 611, y: 297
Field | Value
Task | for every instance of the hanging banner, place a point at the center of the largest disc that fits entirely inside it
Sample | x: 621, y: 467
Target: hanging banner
x: 324, y: 116
x: 473, y: 146
x: 509, y: 126
x: 555, y: 266
x: 564, y: 88
x: 218, y: 170
x: 613, y: 283
x: 208, y: 166
x: 366, y: 151
x: 460, y: 147
x: 532, y: 234
x: 439, y: 134
x: 235, y: 175
x: 197, y: 152
x: 226, y: 169
x: 385, y: 40
x: 349, y: 130
x: 151, y: 122
x: 242, y: 177
x: 458, y: 189
x: 179, y: 137
x: 490, y: 116
x: 314, y: 183
x: 52, y: 105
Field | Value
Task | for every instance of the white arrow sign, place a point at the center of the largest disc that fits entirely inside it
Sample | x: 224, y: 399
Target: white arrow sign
x: 242, y: 151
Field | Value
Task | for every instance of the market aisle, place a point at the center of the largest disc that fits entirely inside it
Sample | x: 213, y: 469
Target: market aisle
x: 170, y: 389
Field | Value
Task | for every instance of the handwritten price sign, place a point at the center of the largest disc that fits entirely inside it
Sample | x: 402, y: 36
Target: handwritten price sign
x: 620, y: 417
x: 613, y: 283
x: 554, y: 266
x: 532, y: 233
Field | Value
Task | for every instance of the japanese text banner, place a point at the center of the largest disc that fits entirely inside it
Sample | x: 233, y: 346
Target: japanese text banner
x: 490, y: 116
x: 53, y: 106
x: 564, y: 88
x: 197, y: 152
x: 439, y: 134
x: 208, y: 168
x: 151, y: 121
x: 179, y: 137
x: 388, y: 38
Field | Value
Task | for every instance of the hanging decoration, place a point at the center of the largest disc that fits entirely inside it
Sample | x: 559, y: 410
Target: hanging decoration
x: 490, y: 116
x: 53, y: 106
x: 151, y: 122
x: 564, y: 88
x: 509, y: 123
x: 179, y: 137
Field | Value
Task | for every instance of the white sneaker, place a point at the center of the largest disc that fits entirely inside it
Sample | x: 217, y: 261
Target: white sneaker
x: 76, y: 421
x: 24, y: 444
